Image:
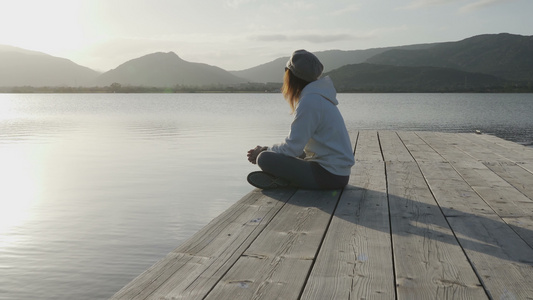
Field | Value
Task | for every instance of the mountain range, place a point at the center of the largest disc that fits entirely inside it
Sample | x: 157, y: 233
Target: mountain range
x: 166, y: 70
x: 479, y: 62
x: 20, y: 67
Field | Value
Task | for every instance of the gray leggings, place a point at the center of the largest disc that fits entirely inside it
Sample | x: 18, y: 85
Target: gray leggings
x: 300, y: 173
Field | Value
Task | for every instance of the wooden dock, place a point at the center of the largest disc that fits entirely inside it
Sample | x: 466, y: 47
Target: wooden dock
x: 425, y: 216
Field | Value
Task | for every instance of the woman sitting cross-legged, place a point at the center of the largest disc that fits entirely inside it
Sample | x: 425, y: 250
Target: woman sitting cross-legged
x: 317, y: 153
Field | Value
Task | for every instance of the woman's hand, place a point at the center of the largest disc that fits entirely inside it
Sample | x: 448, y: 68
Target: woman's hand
x: 253, y: 153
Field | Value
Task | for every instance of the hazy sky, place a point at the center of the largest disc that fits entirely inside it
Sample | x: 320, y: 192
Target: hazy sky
x: 239, y: 34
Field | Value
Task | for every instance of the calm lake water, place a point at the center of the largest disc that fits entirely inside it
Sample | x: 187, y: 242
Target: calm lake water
x: 94, y: 188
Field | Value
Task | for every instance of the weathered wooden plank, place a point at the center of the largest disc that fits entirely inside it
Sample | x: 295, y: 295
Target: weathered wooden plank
x: 479, y: 229
x: 455, y: 196
x: 446, y: 146
x: 477, y: 174
x: 523, y: 226
x: 354, y: 135
x: 392, y: 147
x: 429, y: 262
x: 277, y: 264
x: 475, y: 147
x: 150, y: 280
x: 490, y: 145
x: 521, y: 155
x: 502, y: 259
x: 498, y: 254
x: 355, y: 261
x: 419, y: 148
x: 192, y: 269
x: 515, y: 175
x: 369, y: 149
x: 506, y: 201
x: 498, y: 193
x: 528, y: 166
x: 508, y: 149
x: 503, y: 198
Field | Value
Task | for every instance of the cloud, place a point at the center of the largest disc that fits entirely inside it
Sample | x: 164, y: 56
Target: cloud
x: 346, y: 10
x: 299, y: 5
x: 311, y: 38
x: 416, y: 4
x: 271, y: 38
x: 326, y: 38
x: 237, y: 3
x: 386, y: 31
x: 480, y: 5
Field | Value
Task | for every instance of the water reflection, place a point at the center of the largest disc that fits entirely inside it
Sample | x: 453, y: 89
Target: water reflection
x: 505, y: 115
x: 21, y: 187
x: 96, y: 188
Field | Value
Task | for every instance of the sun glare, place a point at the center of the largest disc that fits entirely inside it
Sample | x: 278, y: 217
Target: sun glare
x: 21, y: 186
x: 47, y: 26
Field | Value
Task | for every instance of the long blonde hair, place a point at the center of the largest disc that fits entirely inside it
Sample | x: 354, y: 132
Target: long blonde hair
x: 292, y: 88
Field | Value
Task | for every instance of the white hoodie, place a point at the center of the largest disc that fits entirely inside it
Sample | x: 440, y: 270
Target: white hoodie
x: 318, y: 129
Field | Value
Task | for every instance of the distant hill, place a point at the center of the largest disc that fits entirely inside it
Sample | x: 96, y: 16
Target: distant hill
x: 504, y: 55
x: 7, y: 48
x: 20, y: 67
x: 384, y: 78
x: 479, y: 63
x: 332, y: 59
x: 269, y: 72
x: 166, y: 70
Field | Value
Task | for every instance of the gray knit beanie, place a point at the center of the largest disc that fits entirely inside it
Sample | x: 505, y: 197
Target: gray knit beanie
x: 305, y: 65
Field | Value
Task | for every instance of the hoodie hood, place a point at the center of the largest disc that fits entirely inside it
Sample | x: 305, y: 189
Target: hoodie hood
x: 324, y: 87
